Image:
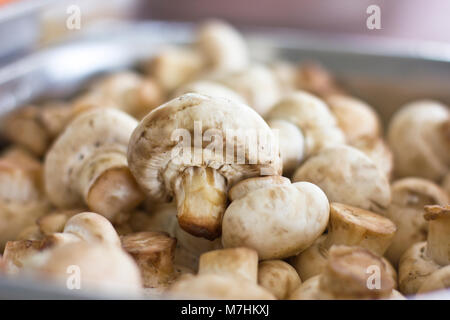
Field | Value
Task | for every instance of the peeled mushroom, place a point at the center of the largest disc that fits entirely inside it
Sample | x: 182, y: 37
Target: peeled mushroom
x: 424, y: 258
x: 214, y: 286
x: 350, y: 273
x: 154, y: 254
x: 240, y: 263
x: 277, y: 221
x: 278, y: 277
x: 312, y: 116
x: 418, y: 135
x: 348, y: 176
x: 409, y: 196
x: 88, y: 164
x: 195, y: 174
x: 349, y: 226
x: 222, y: 46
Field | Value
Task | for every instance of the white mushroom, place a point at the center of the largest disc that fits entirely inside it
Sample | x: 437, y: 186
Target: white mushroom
x: 347, y: 275
x: 409, y: 196
x: 276, y: 220
x: 196, y: 172
x: 347, y: 226
x: 240, y: 263
x: 278, y: 277
x: 222, y: 46
x: 209, y: 88
x: 418, y: 134
x: 314, y: 78
x: 424, y: 258
x: 312, y: 116
x: 88, y: 164
x: 348, y: 176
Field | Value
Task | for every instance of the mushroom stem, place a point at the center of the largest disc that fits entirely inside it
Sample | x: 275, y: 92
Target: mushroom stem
x: 108, y: 186
x: 201, y: 196
x: 438, y: 241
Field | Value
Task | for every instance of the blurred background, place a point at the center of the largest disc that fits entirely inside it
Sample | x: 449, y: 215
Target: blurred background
x: 28, y: 24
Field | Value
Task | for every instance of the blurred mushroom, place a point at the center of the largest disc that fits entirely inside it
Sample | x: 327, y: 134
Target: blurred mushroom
x: 409, y: 196
x: 314, y: 78
x: 276, y: 220
x: 278, y: 277
x: 419, y: 137
x: 240, y: 263
x: 424, y: 258
x: 438, y: 280
x: 195, y: 174
x: 348, y: 176
x: 347, y: 275
x: 312, y: 116
x: 88, y: 164
x: 349, y: 226
x: 154, y: 254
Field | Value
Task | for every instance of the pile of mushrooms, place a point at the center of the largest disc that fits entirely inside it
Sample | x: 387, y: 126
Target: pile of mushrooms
x: 212, y: 175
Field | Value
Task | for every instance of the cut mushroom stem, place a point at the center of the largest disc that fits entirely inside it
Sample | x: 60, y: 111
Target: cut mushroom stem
x: 201, y: 199
x: 438, y: 241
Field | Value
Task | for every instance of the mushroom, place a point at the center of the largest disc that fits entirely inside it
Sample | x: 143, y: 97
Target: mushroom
x: 256, y: 84
x: 102, y: 268
x: 422, y: 128
x: 278, y: 277
x: 409, y: 196
x: 349, y: 226
x: 22, y: 199
x: 285, y: 73
x: 424, y: 258
x: 126, y: 90
x: 348, y: 176
x: 240, y: 263
x: 209, y: 88
x: 214, y: 286
x: 88, y: 164
x: 195, y: 174
x: 222, y: 46
x: 276, y: 220
x: 379, y: 152
x: 446, y: 184
x: 312, y: 116
x: 55, y: 221
x: 154, y: 254
x: 85, y: 226
x: 172, y: 67
x: 314, y: 78
x: 350, y: 273
x: 357, y: 119
x: 291, y: 143
x: 16, y: 252
x: 438, y: 280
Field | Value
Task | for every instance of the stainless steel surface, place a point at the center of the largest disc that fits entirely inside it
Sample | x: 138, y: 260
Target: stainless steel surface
x: 384, y: 73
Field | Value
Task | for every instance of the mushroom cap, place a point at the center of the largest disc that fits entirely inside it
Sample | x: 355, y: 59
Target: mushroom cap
x: 56, y: 220
x: 213, y: 286
x: 369, y: 230
x: 92, y: 227
x: 241, y: 263
x: 156, y: 166
x: 256, y: 84
x: 277, y: 221
x: 356, y: 118
x: 310, y: 290
x: 422, y: 129
x: 291, y: 144
x: 347, y: 175
x: 105, y: 269
x: 243, y: 187
x: 409, y: 196
x: 93, y: 132
x: 379, y: 152
x: 414, y: 268
x: 312, y: 116
x: 312, y: 260
x: 278, y: 277
x: 223, y: 46
x: 209, y: 88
